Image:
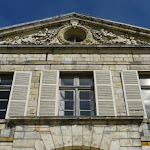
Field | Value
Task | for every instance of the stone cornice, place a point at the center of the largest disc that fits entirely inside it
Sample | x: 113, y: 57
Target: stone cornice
x: 58, y: 120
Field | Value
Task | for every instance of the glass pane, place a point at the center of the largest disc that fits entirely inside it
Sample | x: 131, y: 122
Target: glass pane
x: 147, y: 106
x: 67, y: 81
x: 145, y: 82
x: 146, y: 94
x: 66, y: 105
x: 85, y: 113
x: 6, y: 79
x: 68, y: 113
x: 85, y: 105
x: 2, y: 114
x: 85, y: 95
x: 85, y: 81
x: 66, y: 95
x: 3, y: 104
x: 4, y: 94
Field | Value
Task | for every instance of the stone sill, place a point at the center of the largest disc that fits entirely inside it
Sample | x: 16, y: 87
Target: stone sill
x: 58, y: 120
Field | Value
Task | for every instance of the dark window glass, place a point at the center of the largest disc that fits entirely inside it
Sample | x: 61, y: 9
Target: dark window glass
x: 68, y: 105
x: 4, y: 94
x: 6, y: 79
x: 85, y: 105
x: 67, y: 81
x: 85, y: 81
x: 68, y: 113
x: 2, y: 114
x: 84, y: 95
x: 3, y: 104
x: 85, y: 113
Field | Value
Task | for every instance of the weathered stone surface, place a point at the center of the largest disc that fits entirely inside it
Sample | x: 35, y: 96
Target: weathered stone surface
x: 115, y: 145
x: 48, y: 141
x: 39, y: 145
x: 106, y: 141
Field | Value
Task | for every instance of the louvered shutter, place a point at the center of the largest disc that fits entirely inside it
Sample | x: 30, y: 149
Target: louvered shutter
x: 132, y: 93
x: 105, y: 104
x: 47, y: 104
x: 19, y: 94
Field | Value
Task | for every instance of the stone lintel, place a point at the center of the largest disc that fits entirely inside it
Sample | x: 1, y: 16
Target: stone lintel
x: 58, y: 120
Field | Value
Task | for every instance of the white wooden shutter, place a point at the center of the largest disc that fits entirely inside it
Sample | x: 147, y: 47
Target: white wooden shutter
x: 18, y: 99
x: 105, y: 104
x: 47, y: 104
x: 132, y: 93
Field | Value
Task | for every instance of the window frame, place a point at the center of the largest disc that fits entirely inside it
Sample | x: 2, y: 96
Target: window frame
x: 144, y: 72
x: 4, y: 88
x: 76, y: 88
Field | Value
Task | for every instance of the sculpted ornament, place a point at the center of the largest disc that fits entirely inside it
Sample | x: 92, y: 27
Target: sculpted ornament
x: 106, y: 37
x: 44, y: 37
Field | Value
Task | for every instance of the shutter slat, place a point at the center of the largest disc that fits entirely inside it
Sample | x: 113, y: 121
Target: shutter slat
x: 19, y: 94
x: 48, y: 93
x: 104, y: 93
x: 132, y: 92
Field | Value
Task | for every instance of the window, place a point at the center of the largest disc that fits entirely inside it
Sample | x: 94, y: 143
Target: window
x: 5, y: 86
x: 145, y: 89
x: 76, y: 94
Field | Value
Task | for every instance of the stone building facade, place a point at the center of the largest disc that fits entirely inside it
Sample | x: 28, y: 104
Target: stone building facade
x: 74, y: 82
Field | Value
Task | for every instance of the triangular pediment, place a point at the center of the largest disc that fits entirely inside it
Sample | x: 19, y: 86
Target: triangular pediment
x: 74, y: 28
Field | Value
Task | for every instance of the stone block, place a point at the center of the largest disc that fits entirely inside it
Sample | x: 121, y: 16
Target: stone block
x: 66, y: 130
x: 98, y: 130
x: 48, y: 141
x: 31, y: 135
x: 134, y: 148
x: 87, y: 130
x: 145, y: 147
x: 39, y: 145
x: 77, y: 140
x: 87, y: 140
x: 106, y: 141
x: 96, y: 140
x: 58, y: 141
x: 76, y: 130
x: 110, y: 128
x: 133, y: 128
x: 125, y: 142
x: 2, y: 126
x: 115, y: 145
x: 67, y: 140
x: 136, y: 142
x: 19, y: 135
x: 123, y: 128
x: 55, y: 130
x: 123, y: 148
x: 23, y: 143
x: 5, y: 147
x: 119, y: 135
x: 133, y: 135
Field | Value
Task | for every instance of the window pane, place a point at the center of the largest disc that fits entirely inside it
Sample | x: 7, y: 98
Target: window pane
x: 67, y: 81
x: 66, y: 95
x: 85, y: 113
x: 146, y: 94
x: 68, y: 113
x: 147, y: 106
x: 66, y: 105
x: 6, y: 79
x: 85, y: 95
x: 4, y: 94
x: 85, y: 81
x: 3, y: 104
x: 85, y: 105
x: 145, y: 81
x: 2, y: 114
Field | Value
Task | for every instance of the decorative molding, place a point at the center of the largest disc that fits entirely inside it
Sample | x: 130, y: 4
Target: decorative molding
x: 43, y: 37
x: 93, y: 36
x: 106, y: 37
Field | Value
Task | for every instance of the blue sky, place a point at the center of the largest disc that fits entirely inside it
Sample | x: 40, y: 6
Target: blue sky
x: 135, y: 12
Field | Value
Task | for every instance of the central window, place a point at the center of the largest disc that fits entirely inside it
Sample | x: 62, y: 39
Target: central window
x: 76, y: 94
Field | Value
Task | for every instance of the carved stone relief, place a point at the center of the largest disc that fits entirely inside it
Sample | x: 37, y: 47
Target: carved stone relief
x: 56, y: 36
